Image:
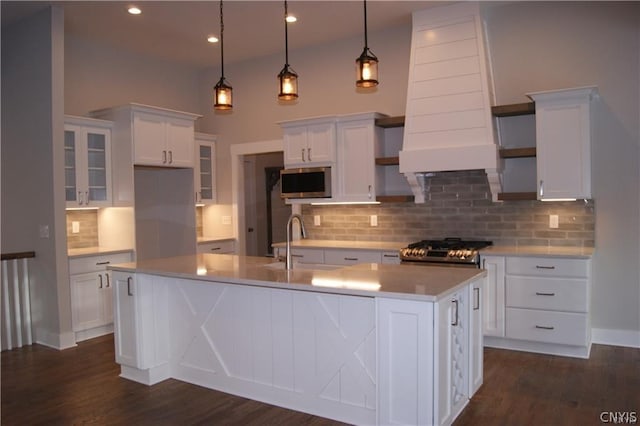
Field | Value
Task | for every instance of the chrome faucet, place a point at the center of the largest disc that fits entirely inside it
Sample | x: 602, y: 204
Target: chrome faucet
x: 288, y: 262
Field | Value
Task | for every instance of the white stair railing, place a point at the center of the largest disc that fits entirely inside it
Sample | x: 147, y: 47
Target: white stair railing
x: 16, y: 300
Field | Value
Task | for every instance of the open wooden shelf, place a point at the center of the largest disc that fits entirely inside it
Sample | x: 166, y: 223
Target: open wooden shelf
x: 517, y: 196
x: 517, y: 152
x: 395, y: 198
x: 511, y: 110
x: 388, y: 161
x: 389, y: 122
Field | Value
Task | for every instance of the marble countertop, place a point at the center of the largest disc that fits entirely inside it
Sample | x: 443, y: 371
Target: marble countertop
x: 576, y: 252
x: 339, y: 244
x: 414, y: 282
x: 93, y: 251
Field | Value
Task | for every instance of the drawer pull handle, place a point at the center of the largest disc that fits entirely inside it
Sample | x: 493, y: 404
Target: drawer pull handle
x: 476, y: 290
x: 543, y: 327
x: 297, y: 255
x: 108, y: 284
x: 395, y: 256
x: 455, y: 321
x: 351, y: 259
x: 215, y: 248
x: 103, y: 263
x: 129, y: 279
x: 100, y: 276
x: 544, y: 294
x: 545, y: 267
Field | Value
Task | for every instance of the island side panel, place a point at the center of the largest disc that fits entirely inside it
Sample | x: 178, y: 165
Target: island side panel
x: 311, y: 352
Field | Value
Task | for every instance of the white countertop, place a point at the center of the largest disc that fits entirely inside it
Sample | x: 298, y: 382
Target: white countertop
x: 414, y: 282
x: 576, y: 252
x: 339, y: 244
x: 94, y: 251
x: 203, y: 240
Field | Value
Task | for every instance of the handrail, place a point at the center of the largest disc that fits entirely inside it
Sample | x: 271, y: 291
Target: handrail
x: 18, y: 255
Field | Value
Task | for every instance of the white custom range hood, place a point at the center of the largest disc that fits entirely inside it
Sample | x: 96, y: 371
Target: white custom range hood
x: 448, y: 123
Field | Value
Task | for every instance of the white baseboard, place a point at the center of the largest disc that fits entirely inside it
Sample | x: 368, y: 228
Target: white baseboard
x: 603, y: 336
x: 53, y: 340
x: 94, y: 332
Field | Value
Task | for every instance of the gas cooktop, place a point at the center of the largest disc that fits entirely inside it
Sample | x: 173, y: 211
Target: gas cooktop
x: 448, y: 250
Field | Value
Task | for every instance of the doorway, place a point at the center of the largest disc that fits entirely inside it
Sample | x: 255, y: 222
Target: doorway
x: 265, y: 212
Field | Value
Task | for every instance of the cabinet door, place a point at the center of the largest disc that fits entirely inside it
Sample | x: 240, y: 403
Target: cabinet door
x: 476, y: 355
x: 494, y: 296
x: 149, y: 140
x: 125, y: 325
x: 87, y: 302
x: 295, y: 145
x: 72, y: 165
x: 98, y: 163
x: 205, y: 173
x: 452, y: 362
x: 321, y: 141
x: 180, y: 143
x: 356, y: 179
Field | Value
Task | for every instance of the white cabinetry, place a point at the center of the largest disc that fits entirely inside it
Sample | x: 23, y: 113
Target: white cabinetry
x: 476, y: 341
x: 217, y: 247
x: 87, y: 162
x: 563, y: 142
x: 309, y: 142
x: 205, y: 169
x: 91, y: 294
x: 161, y: 139
x: 493, y: 300
x: 351, y: 257
x: 359, y: 144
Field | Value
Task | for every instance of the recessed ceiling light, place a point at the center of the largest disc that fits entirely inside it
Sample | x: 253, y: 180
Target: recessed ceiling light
x: 291, y: 18
x: 134, y: 10
x: 212, y: 39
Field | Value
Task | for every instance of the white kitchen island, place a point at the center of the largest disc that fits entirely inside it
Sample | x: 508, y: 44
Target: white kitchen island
x: 365, y: 344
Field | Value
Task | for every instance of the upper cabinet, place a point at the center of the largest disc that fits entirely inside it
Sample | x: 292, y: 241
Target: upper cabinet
x: 309, y: 142
x: 147, y: 136
x: 205, y: 170
x: 359, y: 144
x: 563, y: 142
x: 87, y: 162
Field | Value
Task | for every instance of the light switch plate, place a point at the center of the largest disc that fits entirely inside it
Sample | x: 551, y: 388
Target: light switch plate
x: 44, y: 231
x: 553, y: 221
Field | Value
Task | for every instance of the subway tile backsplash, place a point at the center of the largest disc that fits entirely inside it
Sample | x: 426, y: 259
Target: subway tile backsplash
x: 458, y: 205
x: 88, y: 235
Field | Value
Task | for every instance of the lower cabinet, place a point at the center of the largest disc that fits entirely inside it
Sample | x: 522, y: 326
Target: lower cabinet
x: 217, y: 247
x: 92, y: 294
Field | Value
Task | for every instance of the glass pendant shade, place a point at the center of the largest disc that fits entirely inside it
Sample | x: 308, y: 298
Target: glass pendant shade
x: 223, y: 95
x: 288, y: 84
x: 367, y: 69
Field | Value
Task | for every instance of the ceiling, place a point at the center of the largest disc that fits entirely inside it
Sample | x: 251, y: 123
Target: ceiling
x: 177, y: 30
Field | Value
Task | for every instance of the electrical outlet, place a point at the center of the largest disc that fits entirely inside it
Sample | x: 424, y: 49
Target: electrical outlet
x: 374, y: 220
x: 75, y: 227
x: 553, y: 221
x: 316, y: 220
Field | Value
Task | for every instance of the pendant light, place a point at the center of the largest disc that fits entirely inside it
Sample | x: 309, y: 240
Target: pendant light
x: 223, y: 98
x: 367, y: 63
x: 287, y: 78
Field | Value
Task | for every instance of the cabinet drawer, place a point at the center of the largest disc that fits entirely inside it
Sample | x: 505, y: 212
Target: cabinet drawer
x: 391, y: 257
x: 547, y: 326
x: 548, y: 266
x: 305, y: 255
x: 351, y: 257
x: 80, y: 265
x: 217, y: 247
x: 556, y: 294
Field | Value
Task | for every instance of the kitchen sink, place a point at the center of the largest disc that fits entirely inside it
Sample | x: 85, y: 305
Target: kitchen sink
x: 303, y: 266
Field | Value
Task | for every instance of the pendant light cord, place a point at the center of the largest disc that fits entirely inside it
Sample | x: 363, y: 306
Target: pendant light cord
x: 286, y: 35
x: 366, y: 45
x: 221, y: 41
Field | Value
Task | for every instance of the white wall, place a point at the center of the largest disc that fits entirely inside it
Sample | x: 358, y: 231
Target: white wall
x: 33, y: 165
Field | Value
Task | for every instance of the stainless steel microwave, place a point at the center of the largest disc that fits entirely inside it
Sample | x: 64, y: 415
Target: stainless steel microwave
x: 312, y: 182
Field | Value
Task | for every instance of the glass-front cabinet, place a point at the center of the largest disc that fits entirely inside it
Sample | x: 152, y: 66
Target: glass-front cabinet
x: 87, y: 162
x: 205, y: 173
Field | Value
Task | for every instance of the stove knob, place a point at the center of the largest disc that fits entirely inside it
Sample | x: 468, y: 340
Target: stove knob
x: 422, y: 252
x: 459, y: 253
x: 452, y: 253
x: 468, y: 253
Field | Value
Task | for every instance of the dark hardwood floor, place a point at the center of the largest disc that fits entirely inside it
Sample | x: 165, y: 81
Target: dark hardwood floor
x: 81, y: 386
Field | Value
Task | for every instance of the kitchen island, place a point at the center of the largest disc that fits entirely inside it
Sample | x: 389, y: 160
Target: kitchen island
x: 363, y: 344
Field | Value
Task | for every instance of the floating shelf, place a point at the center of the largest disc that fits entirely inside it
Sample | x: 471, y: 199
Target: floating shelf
x: 517, y: 152
x: 389, y: 122
x: 388, y: 161
x: 517, y: 196
x: 395, y: 198
x: 526, y: 108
